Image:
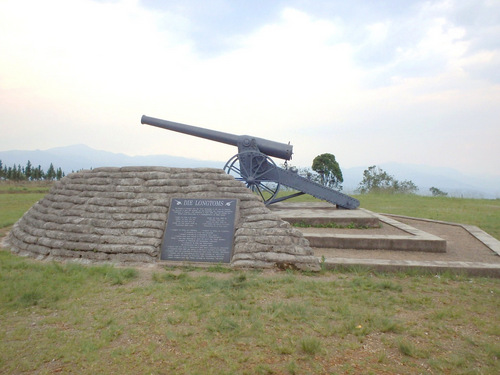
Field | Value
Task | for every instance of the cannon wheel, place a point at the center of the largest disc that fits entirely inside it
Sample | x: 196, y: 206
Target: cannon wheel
x: 258, y: 173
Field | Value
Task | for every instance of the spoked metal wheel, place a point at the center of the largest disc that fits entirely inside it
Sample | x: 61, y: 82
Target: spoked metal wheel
x: 258, y: 171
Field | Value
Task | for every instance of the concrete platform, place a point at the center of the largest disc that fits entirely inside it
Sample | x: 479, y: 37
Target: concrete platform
x: 404, y: 238
x: 468, y: 249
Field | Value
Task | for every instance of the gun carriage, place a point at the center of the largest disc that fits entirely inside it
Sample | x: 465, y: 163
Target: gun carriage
x: 253, y: 165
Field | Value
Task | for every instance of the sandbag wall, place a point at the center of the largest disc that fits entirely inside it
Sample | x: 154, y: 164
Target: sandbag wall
x: 120, y: 214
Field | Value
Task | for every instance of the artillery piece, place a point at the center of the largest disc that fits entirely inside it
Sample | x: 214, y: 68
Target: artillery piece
x: 254, y: 166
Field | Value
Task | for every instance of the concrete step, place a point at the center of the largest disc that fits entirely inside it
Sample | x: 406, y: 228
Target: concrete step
x: 402, y: 237
x: 319, y: 213
x: 376, y: 242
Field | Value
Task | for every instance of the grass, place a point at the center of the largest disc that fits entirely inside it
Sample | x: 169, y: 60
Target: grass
x: 67, y: 318
x: 16, y: 198
x: 101, y: 319
x: 13, y: 206
x: 24, y: 187
x: 484, y: 213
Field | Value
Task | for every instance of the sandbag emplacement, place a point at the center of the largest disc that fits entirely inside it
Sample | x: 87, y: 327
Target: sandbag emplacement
x: 119, y: 215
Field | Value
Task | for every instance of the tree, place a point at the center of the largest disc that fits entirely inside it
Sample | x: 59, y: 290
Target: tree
x: 377, y: 180
x: 37, y: 173
x: 329, y: 170
x: 20, y: 174
x: 51, y: 173
x: 437, y: 193
x: 59, y: 174
x: 28, y: 170
x: 404, y: 187
x: 308, y: 173
x: 17, y: 173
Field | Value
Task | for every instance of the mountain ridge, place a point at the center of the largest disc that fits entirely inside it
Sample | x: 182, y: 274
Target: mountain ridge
x: 79, y: 156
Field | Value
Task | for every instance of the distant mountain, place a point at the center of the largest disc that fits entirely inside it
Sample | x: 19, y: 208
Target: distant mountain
x: 76, y: 157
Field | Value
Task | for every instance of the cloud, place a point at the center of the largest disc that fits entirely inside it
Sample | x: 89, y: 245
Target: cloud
x: 285, y: 72
x: 73, y: 67
x: 367, y: 83
x: 70, y: 44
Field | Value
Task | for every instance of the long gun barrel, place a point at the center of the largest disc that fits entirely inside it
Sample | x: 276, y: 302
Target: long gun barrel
x: 271, y: 148
x: 253, y: 165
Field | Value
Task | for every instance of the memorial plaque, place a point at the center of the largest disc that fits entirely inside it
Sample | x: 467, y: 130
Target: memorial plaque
x: 199, y: 230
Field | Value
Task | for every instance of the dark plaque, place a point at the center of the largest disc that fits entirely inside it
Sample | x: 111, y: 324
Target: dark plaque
x: 199, y: 230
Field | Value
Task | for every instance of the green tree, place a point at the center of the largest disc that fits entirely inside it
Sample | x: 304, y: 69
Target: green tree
x: 12, y: 175
x: 1, y: 170
x: 37, y: 173
x: 20, y: 174
x: 307, y: 173
x: 59, y: 174
x: 51, y: 173
x: 376, y: 180
x: 28, y: 170
x: 404, y: 187
x: 437, y: 193
x: 329, y: 171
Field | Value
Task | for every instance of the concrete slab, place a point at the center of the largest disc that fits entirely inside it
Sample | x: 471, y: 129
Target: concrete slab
x: 469, y: 250
x: 389, y: 265
x: 377, y: 242
x: 410, y: 239
x: 319, y: 213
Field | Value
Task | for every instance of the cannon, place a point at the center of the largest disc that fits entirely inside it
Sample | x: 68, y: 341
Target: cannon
x: 253, y: 165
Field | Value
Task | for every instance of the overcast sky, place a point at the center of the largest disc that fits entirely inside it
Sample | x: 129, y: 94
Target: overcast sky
x: 369, y: 81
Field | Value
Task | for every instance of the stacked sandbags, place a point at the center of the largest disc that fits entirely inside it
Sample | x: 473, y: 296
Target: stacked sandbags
x: 120, y: 214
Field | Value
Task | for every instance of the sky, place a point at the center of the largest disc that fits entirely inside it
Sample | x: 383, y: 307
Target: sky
x: 368, y: 81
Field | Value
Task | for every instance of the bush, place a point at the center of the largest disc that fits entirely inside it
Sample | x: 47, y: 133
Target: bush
x: 376, y: 180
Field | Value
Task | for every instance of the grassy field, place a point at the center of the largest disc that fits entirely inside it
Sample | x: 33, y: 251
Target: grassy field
x: 17, y: 198
x: 11, y: 187
x: 87, y: 320
x: 67, y: 318
x: 484, y: 213
x: 13, y: 206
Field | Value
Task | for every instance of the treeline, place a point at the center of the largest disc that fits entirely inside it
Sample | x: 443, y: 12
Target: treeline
x: 29, y: 173
x: 376, y: 180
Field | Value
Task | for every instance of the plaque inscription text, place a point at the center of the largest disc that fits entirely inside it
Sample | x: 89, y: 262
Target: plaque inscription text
x: 199, y: 230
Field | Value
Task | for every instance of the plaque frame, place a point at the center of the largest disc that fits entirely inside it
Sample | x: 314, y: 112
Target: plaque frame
x: 200, y: 230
